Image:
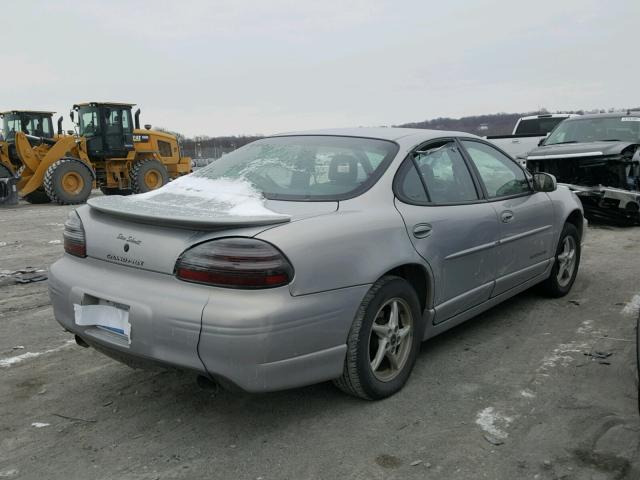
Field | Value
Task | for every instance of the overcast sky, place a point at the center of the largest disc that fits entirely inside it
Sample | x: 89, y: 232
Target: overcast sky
x: 234, y: 67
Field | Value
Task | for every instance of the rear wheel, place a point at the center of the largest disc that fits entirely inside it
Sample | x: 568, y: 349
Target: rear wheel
x: 567, y: 261
x: 68, y: 181
x: 383, y: 342
x: 147, y: 175
x: 638, y: 357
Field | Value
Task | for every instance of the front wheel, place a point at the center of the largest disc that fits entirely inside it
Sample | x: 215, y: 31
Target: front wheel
x: 567, y: 261
x: 68, y: 181
x: 383, y: 342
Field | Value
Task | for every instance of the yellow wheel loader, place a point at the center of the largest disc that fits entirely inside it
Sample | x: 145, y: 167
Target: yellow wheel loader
x: 37, y: 125
x: 108, y: 152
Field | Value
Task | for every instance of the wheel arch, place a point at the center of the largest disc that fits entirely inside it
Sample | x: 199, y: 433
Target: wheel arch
x: 419, y: 278
x: 576, y: 218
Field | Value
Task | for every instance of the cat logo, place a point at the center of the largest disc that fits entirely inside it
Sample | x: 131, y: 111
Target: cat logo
x: 141, y: 138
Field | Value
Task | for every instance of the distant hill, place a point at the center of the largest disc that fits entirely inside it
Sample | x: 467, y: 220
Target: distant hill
x: 490, y: 124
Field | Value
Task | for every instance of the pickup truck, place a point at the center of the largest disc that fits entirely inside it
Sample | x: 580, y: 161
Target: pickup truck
x: 598, y: 157
x: 527, y: 134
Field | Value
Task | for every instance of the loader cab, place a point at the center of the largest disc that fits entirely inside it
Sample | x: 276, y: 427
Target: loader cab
x: 38, y: 124
x: 107, y: 128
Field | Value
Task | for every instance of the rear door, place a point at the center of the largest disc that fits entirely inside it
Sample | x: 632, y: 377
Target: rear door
x: 525, y: 216
x: 449, y: 224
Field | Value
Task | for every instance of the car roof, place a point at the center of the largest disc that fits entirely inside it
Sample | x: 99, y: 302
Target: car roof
x: 27, y: 111
x: 606, y: 115
x: 399, y: 135
x: 549, y: 115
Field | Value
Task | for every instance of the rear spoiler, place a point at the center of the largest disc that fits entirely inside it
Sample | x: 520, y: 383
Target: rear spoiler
x: 184, y: 217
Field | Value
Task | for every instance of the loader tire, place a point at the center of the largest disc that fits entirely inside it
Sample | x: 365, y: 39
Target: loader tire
x: 68, y: 181
x: 147, y: 175
x: 37, y: 197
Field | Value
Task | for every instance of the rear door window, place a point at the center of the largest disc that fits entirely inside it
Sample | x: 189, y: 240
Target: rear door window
x: 445, y: 174
x: 437, y: 174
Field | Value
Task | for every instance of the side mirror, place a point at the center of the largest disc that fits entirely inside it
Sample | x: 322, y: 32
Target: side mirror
x: 544, y: 182
x: 71, y: 115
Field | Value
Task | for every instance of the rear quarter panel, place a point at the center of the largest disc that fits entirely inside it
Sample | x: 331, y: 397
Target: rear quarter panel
x: 353, y: 246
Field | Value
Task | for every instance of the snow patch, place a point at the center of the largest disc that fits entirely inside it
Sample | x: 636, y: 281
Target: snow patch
x: 493, y: 422
x: 10, y: 361
x: 632, y: 309
x: 39, y: 424
x: 527, y: 394
x: 561, y: 355
x: 218, y: 196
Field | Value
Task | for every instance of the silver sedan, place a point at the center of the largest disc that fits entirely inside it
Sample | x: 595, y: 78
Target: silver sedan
x: 314, y: 256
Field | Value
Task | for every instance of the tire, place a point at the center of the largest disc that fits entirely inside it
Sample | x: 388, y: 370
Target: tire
x: 37, y: 197
x: 68, y: 181
x: 638, y: 357
x: 569, y: 242
x: 359, y: 377
x: 147, y: 175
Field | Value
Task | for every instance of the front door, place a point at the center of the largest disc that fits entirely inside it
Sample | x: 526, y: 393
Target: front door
x: 118, y: 132
x: 526, y: 217
x: 449, y: 225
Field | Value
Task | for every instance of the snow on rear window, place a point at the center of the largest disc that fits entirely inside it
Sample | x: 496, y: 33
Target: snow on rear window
x: 193, y: 197
x: 306, y: 167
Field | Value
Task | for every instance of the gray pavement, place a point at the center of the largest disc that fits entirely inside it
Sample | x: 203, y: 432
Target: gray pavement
x: 508, y: 395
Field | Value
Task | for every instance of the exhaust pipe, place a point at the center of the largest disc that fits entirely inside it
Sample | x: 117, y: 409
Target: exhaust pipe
x: 81, y: 342
x: 137, y: 119
x: 60, y: 125
x: 207, y: 383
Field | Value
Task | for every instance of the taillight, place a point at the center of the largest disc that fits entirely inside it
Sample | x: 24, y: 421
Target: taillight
x: 235, y: 262
x: 74, y: 240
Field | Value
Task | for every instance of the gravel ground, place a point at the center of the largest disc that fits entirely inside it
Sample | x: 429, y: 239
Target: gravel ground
x: 509, y: 395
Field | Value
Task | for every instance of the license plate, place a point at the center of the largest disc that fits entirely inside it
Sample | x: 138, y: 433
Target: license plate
x: 112, y: 319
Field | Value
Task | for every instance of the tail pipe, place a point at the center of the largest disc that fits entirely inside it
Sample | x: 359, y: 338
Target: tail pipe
x: 137, y: 119
x: 60, y: 125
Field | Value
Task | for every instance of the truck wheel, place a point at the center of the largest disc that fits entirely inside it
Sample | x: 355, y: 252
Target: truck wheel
x: 68, y: 181
x: 383, y: 342
x: 567, y: 261
x: 147, y: 175
x: 37, y: 197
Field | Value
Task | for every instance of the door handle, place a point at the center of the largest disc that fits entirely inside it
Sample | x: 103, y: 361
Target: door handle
x: 421, y: 230
x: 506, y: 216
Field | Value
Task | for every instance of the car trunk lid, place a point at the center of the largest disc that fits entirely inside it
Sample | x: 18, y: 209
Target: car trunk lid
x: 150, y: 232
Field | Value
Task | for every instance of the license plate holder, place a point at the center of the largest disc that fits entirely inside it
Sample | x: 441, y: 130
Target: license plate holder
x: 104, y: 316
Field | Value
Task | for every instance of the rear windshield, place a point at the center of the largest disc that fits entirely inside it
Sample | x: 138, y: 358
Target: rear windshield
x: 626, y: 129
x: 306, y: 167
x: 537, y: 126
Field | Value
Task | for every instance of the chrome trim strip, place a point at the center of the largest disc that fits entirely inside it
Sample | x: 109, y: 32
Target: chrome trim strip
x: 468, y: 251
x: 522, y: 235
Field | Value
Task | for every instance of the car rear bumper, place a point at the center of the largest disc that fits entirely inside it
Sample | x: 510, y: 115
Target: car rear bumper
x: 260, y: 340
